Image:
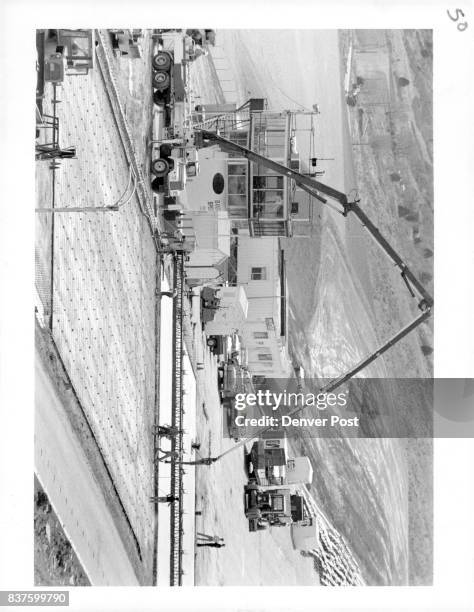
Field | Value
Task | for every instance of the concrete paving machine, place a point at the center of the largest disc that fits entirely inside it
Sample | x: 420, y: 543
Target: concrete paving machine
x: 272, y: 508
x: 321, y: 192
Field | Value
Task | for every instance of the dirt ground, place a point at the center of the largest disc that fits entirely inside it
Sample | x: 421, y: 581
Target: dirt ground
x: 56, y: 563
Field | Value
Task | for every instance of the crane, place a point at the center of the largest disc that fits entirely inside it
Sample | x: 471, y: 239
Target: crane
x: 319, y: 190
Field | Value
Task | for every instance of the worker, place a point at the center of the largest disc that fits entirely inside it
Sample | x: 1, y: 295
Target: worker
x: 198, y: 51
x: 211, y: 544
x: 203, y: 461
x: 171, y: 454
x: 165, y: 499
x: 209, y: 538
x: 167, y: 431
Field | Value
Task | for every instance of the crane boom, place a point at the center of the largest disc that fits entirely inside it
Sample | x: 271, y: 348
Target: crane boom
x: 315, y: 188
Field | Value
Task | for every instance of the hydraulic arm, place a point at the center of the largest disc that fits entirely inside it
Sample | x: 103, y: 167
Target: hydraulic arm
x: 315, y: 189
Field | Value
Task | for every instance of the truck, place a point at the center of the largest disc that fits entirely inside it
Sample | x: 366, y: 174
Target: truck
x: 174, y: 158
x: 170, y: 75
x: 269, y: 463
x: 174, y: 161
x: 232, y: 378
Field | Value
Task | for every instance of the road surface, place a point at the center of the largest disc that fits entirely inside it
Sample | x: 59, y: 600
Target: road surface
x: 66, y: 476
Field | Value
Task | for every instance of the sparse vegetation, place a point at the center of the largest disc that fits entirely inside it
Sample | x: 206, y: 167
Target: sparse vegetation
x: 56, y: 563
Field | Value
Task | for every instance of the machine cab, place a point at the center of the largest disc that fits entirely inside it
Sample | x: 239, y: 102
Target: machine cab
x: 76, y: 48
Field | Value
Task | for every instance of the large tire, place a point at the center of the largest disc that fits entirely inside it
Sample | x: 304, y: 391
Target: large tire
x: 161, y: 80
x: 162, y: 61
x: 160, y: 167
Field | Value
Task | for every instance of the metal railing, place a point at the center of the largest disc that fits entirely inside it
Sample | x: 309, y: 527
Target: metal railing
x: 176, y: 519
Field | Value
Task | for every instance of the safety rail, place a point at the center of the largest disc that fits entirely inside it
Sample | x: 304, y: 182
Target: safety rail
x: 176, y: 519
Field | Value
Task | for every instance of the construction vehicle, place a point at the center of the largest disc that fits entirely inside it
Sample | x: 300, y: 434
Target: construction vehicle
x: 318, y: 190
x: 174, y: 157
x: 170, y: 66
x: 173, y: 162
x: 272, y: 508
x: 232, y: 379
x: 209, y: 303
x: 269, y: 464
x: 202, y: 37
x: 271, y: 496
x: 64, y: 52
x: 126, y: 43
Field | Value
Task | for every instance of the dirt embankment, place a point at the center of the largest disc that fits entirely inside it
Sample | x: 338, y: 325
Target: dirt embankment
x: 56, y: 563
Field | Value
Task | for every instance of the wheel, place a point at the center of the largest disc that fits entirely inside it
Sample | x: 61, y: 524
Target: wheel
x: 211, y: 342
x: 165, y: 150
x: 161, y: 80
x: 161, y: 61
x: 160, y: 167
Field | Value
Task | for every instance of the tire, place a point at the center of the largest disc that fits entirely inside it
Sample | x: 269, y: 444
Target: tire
x: 165, y: 150
x: 160, y: 167
x: 162, y: 61
x: 161, y: 80
x: 211, y: 342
